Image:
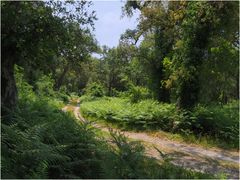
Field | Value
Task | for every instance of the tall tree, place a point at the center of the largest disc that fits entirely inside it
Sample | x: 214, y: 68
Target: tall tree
x: 34, y: 34
x: 25, y: 26
x: 202, y: 20
x: 156, y: 19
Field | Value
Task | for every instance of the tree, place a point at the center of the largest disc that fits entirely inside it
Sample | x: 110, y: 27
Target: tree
x: 76, y: 48
x: 25, y: 26
x: 35, y: 33
x: 155, y: 21
x: 202, y: 20
x: 114, y: 63
x: 219, y: 72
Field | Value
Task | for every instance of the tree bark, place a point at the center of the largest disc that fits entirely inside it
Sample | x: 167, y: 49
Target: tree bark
x: 161, y: 50
x: 61, y: 78
x: 8, y: 84
x: 8, y: 60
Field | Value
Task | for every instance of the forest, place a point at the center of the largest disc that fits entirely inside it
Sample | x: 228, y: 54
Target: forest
x: 162, y: 104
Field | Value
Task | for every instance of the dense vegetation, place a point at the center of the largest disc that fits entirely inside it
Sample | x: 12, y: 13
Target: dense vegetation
x: 218, y: 122
x: 178, y: 71
x: 41, y: 141
x: 182, y: 77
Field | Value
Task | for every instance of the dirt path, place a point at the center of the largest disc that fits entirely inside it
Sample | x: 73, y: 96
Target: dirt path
x: 209, y: 160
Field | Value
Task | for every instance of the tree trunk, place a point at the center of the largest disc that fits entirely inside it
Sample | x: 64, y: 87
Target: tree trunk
x: 61, y: 78
x: 161, y: 50
x: 110, y: 88
x: 237, y: 87
x: 189, y: 90
x: 193, y: 58
x: 9, y: 59
x: 8, y: 84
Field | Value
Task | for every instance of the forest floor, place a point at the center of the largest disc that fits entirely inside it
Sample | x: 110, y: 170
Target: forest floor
x: 189, y: 156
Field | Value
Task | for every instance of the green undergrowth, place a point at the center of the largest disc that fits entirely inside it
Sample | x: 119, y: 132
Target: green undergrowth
x: 210, y: 125
x: 41, y: 141
x: 205, y: 141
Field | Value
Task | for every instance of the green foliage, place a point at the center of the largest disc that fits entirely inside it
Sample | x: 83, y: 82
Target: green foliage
x: 44, y: 86
x: 138, y: 93
x: 86, y: 98
x: 144, y: 114
x: 186, y: 49
x: 203, y: 22
x: 115, y: 67
x: 126, y: 159
x: 219, y: 74
x: 218, y: 122
x: 94, y: 90
x: 184, y: 46
x: 25, y: 91
x: 62, y: 94
x: 40, y: 141
x: 46, y: 37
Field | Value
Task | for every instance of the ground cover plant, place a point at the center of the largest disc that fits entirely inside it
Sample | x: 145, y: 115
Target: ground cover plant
x: 220, y: 122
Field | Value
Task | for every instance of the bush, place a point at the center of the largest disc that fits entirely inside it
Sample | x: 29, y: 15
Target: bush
x: 62, y: 94
x: 40, y: 141
x: 138, y: 93
x: 44, y: 86
x: 219, y: 121
x: 94, y: 90
x: 25, y: 91
x: 63, y: 97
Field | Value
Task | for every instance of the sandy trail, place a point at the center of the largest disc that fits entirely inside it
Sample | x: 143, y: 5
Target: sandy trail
x: 209, y: 160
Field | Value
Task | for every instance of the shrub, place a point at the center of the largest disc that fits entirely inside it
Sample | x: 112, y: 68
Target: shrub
x: 62, y: 94
x: 217, y: 121
x: 44, y: 86
x: 95, y: 90
x: 25, y: 91
x: 40, y: 141
x: 138, y: 93
x: 220, y: 121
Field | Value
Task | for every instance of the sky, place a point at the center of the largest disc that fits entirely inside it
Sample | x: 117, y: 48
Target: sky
x: 110, y: 25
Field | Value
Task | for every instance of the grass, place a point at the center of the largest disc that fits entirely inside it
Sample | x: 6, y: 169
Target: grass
x: 208, y: 126
x: 205, y: 141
